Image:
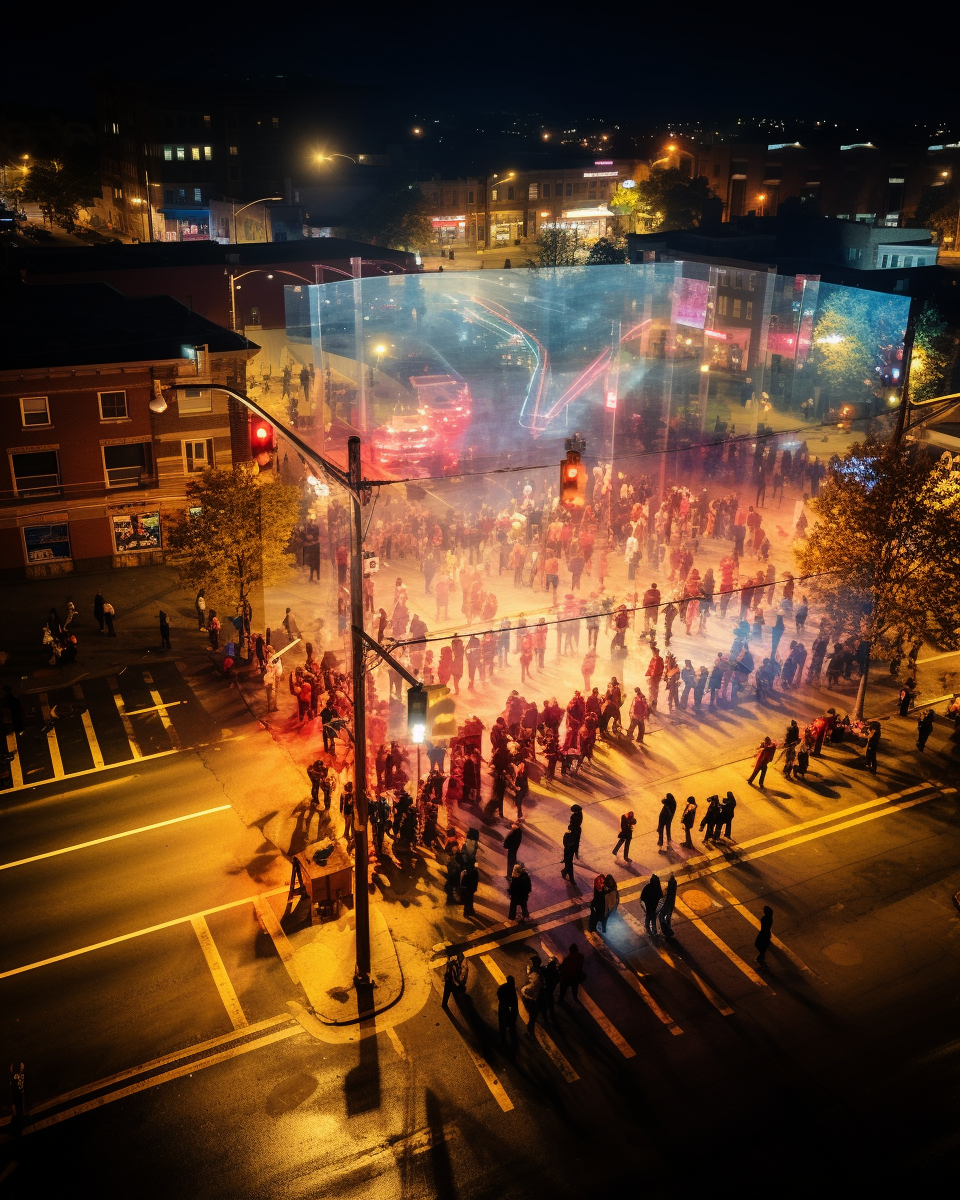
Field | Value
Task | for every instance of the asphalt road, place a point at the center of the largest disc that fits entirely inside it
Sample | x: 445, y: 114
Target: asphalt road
x: 832, y: 1072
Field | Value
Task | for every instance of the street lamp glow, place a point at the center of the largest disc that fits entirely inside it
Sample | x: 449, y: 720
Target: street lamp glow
x: 380, y: 349
x: 704, y: 367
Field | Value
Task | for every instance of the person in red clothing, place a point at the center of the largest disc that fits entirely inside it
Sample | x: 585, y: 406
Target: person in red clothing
x: 654, y: 674
x: 343, y: 559
x: 552, y: 575
x: 765, y: 753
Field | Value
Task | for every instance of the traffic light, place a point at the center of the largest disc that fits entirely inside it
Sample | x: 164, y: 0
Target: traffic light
x: 262, y: 442
x: 573, y: 481
x: 417, y: 714
x: 430, y: 713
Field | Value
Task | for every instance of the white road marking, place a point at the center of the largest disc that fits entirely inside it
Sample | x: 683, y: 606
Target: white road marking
x: 128, y: 727
x: 720, y: 944
x: 631, y: 976
x: 594, y: 1009
x: 544, y: 1038
x: 228, y: 995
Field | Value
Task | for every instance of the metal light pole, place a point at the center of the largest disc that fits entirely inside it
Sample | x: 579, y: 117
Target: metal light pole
x: 356, y: 266
x: 361, y: 847
x: 237, y: 211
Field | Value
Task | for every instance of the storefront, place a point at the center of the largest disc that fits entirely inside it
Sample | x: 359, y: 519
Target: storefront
x: 505, y: 228
x: 46, y: 548
x: 591, y: 223
x: 450, y: 230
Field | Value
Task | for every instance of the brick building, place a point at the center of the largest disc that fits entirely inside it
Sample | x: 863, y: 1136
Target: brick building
x: 90, y: 475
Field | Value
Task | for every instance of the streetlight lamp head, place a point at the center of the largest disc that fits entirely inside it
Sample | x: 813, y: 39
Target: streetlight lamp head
x: 704, y: 367
x: 269, y: 276
x: 380, y: 349
x: 158, y: 404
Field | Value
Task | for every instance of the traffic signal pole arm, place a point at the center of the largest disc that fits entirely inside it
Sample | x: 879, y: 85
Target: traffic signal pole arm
x: 387, y: 657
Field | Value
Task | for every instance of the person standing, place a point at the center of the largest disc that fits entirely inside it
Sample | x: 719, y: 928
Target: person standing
x: 550, y: 975
x: 873, y: 741
x: 668, y: 810
x: 511, y: 843
x: 576, y: 827
x: 765, y: 753
x: 98, y: 610
x: 164, y: 631
x: 711, y: 819
x: 924, y: 729
x: 469, y: 882
x: 454, y: 977
x: 650, y: 897
x: 572, y: 973
x: 666, y: 906
x: 347, y: 808
x: 213, y: 629
x: 627, y: 822
x: 519, y: 892
x: 200, y: 604
x: 687, y: 820
x: 765, y: 936
x: 638, y: 716
x: 531, y: 992
x: 569, y: 846
x: 508, y: 1009
x: 727, y: 808
x: 109, y: 612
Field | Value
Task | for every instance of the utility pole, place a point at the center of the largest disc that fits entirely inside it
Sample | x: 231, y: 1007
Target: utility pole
x: 908, y: 339
x: 356, y: 267
x: 361, y: 848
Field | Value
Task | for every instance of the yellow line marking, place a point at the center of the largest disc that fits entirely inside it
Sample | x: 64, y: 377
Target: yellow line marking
x: 128, y: 727
x: 163, y: 704
x: 156, y: 1080
x: 594, y: 1010
x: 275, y: 929
x: 20, y: 862
x: 398, y: 1046
x: 89, y: 730
x: 678, y: 965
x: 755, y: 922
x: 518, y: 935
x: 544, y: 1038
x: 219, y: 972
x: 52, y: 744
x: 186, y: 1052
x: 126, y: 937
x: 16, y: 773
x: 162, y: 710
x: 487, y: 1073
x: 632, y: 978
x: 721, y: 944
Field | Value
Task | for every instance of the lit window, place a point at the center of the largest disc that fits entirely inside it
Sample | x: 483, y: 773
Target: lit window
x: 208, y: 152
x: 749, y: 310
x: 494, y: 194
x: 194, y: 400
x: 234, y: 150
x: 276, y: 122
x: 197, y: 195
x: 736, y: 308
x: 722, y: 306
x: 168, y: 154
x: 206, y: 121
x: 181, y: 154
x: 195, y: 153
x: 533, y: 192
x: 34, y: 410
x: 113, y: 405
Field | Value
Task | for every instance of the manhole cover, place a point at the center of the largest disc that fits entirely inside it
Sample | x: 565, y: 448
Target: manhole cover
x: 844, y: 954
x: 698, y: 901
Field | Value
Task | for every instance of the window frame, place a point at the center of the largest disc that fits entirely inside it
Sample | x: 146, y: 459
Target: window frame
x: 30, y: 492
x: 148, y: 472
x: 190, y: 460
x: 114, y: 392
x: 35, y: 424
x: 202, y: 393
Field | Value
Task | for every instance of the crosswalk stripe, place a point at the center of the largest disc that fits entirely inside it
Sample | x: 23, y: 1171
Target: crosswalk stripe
x: 219, y: 972
x: 128, y: 727
x: 544, y: 1038
x: 162, y: 711
x: 52, y: 744
x: 594, y: 1010
x: 275, y: 929
x: 754, y: 921
x: 721, y: 944
x: 16, y: 771
x: 632, y: 976
x: 487, y: 1073
x: 88, y: 729
x: 678, y: 965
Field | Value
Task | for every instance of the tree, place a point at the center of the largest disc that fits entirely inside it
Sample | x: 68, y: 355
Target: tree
x: 884, y: 555
x: 844, y: 346
x: 558, y: 248
x: 239, y: 536
x: 398, y: 218
x: 623, y: 204
x: 604, y: 251
x: 59, y: 190
x: 933, y: 353
x: 938, y: 209
x: 671, y: 200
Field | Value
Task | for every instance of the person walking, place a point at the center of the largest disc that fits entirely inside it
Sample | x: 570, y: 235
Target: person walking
x: 508, y: 1009
x: 687, y: 819
x: 511, y: 843
x: 639, y: 710
x: 666, y: 906
x: 873, y: 741
x: 711, y: 819
x: 627, y: 822
x: 727, y: 807
x: 109, y: 612
x: 765, y: 936
x: 319, y: 776
x: 469, y: 882
x: 668, y: 810
x: 924, y: 729
x: 200, y: 604
x: 455, y: 975
x: 650, y: 897
x: 164, y: 632
x: 572, y: 973
x: 569, y: 846
x: 519, y: 891
x: 213, y: 629
x: 576, y: 826
x: 530, y: 992
x: 765, y: 753
x: 98, y: 610
x: 348, y: 809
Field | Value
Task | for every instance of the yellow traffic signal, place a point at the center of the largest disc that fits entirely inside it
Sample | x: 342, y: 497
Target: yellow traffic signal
x: 573, y: 481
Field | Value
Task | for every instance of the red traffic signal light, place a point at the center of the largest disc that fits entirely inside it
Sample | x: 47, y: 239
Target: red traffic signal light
x: 573, y: 481
x: 261, y: 441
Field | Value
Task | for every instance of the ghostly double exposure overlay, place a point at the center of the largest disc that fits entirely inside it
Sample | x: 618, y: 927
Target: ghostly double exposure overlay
x: 464, y: 388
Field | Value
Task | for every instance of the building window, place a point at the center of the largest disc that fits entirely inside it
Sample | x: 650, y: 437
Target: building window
x: 722, y: 306
x: 127, y: 466
x: 34, y: 410
x: 736, y: 307
x: 206, y: 121
x: 181, y: 154
x: 197, y: 195
x: 113, y: 406
x: 195, y: 153
x: 533, y: 192
x: 36, y: 474
x: 182, y: 195
x: 752, y: 281
x: 749, y: 310
x: 168, y: 154
x: 510, y: 193
x: 470, y: 197
x: 198, y: 455
x: 495, y: 194
x: 545, y: 191
x: 276, y: 122
x: 456, y: 198
x: 118, y: 194
x: 234, y: 150
x: 208, y: 153
x: 195, y: 400
x: 739, y: 280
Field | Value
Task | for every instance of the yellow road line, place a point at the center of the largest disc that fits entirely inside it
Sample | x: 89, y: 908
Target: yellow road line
x: 487, y: 1073
x: 631, y: 977
x: 52, y: 744
x: 126, y: 937
x: 162, y: 710
x: 128, y: 727
x: 755, y: 922
x: 219, y: 972
x: 678, y: 965
x: 544, y: 1038
x: 16, y: 772
x: 20, y: 862
x: 88, y: 729
x: 594, y: 1010
x: 156, y: 1080
x: 186, y: 1052
x: 720, y: 944
x: 398, y: 1046
x: 275, y: 929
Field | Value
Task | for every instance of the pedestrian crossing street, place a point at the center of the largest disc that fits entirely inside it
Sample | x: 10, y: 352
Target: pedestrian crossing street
x: 141, y: 712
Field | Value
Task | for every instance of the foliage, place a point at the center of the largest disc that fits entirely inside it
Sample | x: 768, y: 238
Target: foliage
x: 239, y: 537
x: 558, y: 248
x: 933, y: 351
x: 850, y: 329
x: 937, y: 209
x: 886, y: 536
x: 398, y: 218
x: 671, y: 200
x: 59, y: 190
x: 604, y: 251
